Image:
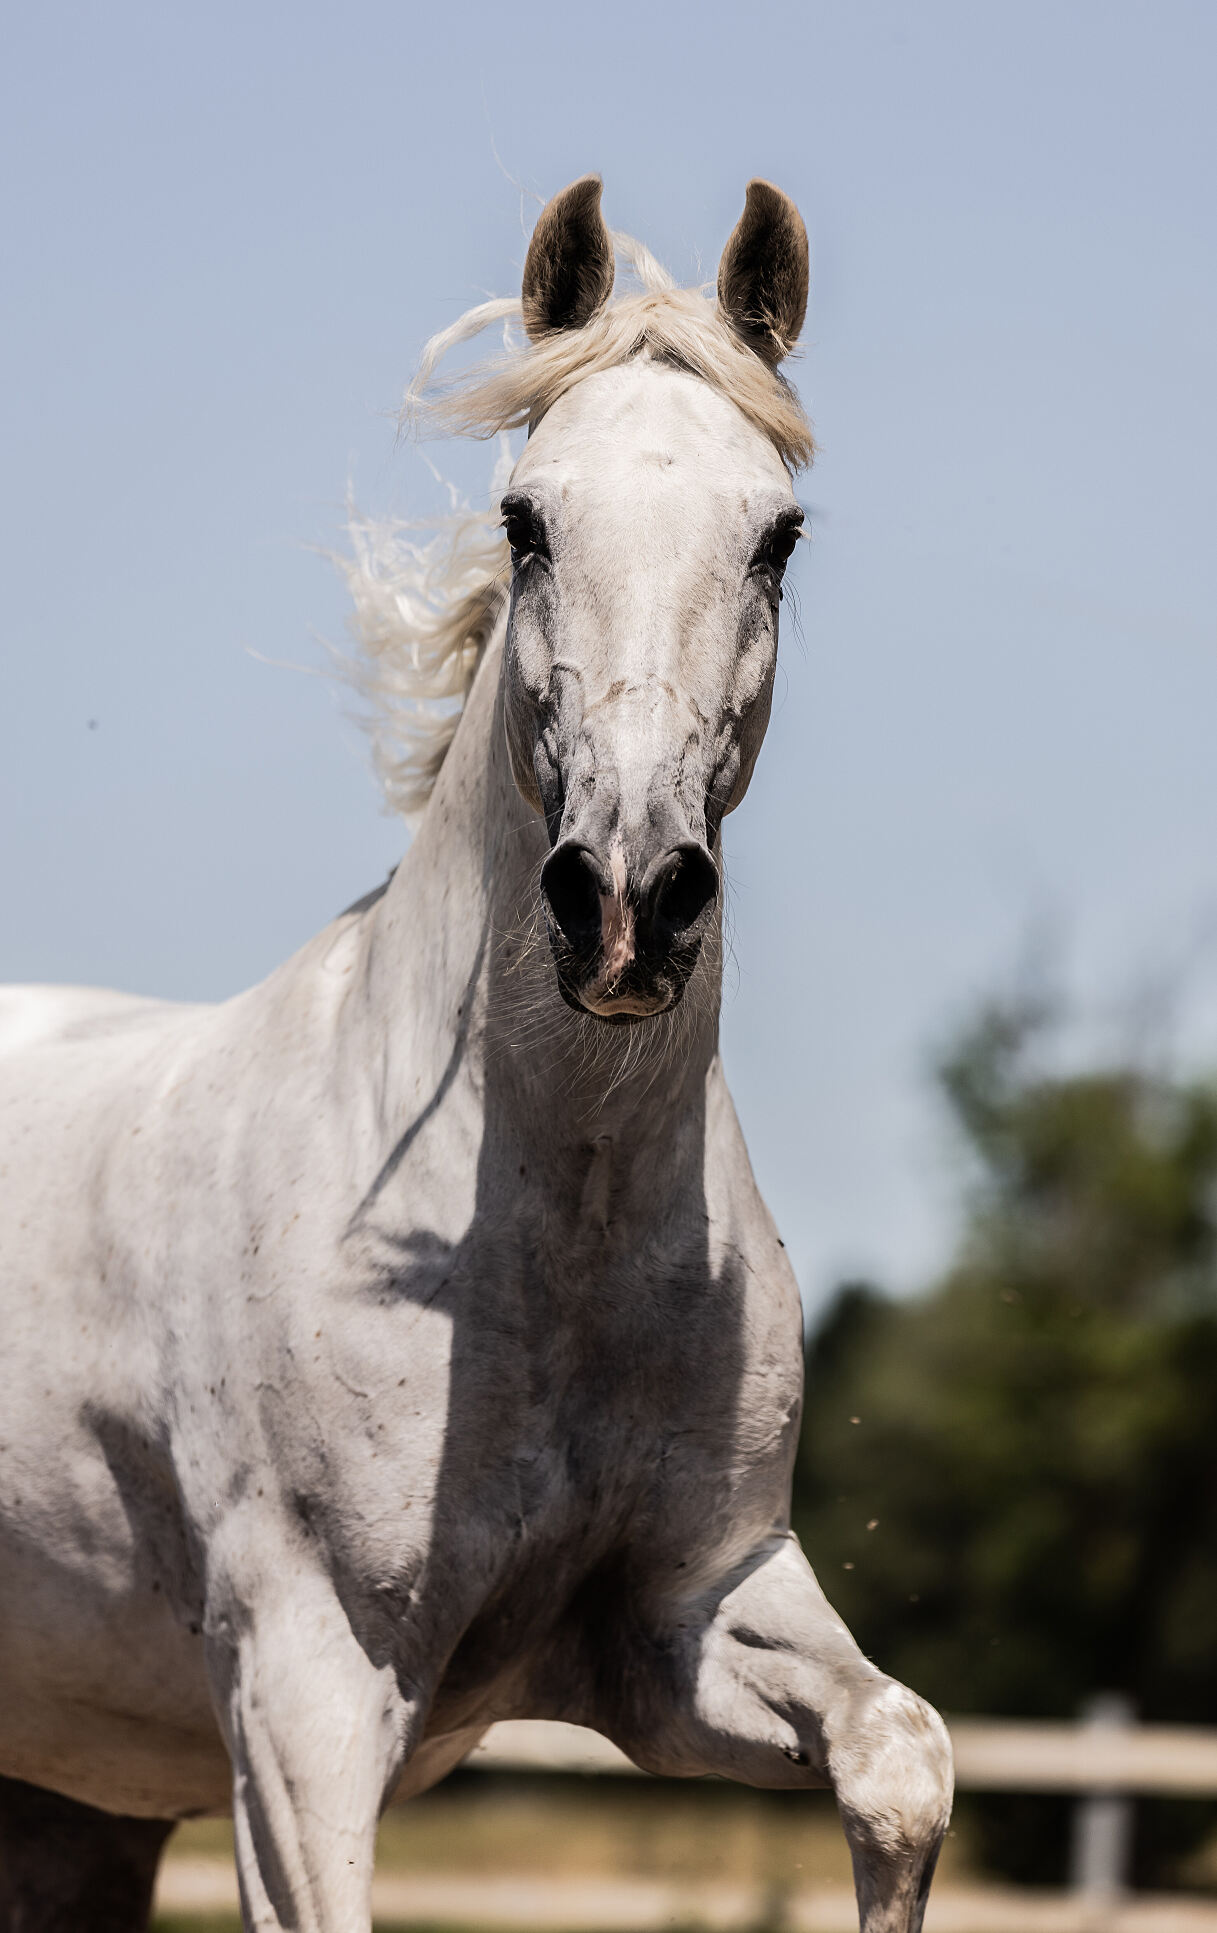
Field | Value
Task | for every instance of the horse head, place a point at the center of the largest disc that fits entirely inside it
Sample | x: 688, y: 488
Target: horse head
x: 650, y: 520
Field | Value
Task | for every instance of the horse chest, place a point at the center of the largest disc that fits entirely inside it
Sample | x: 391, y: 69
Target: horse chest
x: 522, y: 1409
x: 605, y: 1407
x: 587, y: 1361
x: 606, y: 1480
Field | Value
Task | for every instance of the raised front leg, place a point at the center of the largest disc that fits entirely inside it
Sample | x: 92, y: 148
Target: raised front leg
x: 317, y: 1735
x: 760, y: 1681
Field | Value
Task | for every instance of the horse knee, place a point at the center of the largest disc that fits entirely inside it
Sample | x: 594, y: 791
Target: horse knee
x: 774, y: 1719
x: 891, y: 1768
x: 773, y: 1690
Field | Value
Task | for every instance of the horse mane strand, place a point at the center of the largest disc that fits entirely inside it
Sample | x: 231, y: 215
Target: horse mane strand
x: 423, y: 611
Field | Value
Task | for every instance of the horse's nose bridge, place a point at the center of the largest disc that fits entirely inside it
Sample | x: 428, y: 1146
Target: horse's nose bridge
x: 644, y: 786
x: 631, y: 883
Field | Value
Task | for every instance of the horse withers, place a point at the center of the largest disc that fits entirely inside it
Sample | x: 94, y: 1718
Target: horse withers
x: 404, y: 1345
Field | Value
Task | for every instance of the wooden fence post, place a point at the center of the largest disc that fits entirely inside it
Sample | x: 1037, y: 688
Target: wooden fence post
x: 1103, y: 1819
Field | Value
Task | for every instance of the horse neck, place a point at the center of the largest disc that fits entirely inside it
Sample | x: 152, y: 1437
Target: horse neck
x: 460, y: 980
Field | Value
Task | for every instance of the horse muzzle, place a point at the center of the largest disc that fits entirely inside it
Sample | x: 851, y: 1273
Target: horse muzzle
x: 626, y: 937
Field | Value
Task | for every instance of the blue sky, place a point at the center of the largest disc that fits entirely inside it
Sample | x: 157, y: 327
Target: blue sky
x: 229, y: 229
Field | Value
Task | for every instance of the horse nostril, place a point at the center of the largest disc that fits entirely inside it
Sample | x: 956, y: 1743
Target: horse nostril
x: 571, y: 889
x: 681, y: 886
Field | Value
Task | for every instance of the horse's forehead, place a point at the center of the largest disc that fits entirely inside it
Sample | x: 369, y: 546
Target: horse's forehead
x: 644, y: 420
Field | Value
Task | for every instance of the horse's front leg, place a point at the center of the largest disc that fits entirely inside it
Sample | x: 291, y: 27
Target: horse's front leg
x: 760, y: 1681
x: 317, y: 1734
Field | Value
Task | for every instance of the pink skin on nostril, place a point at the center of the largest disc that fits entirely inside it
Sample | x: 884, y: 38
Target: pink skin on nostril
x: 616, y: 924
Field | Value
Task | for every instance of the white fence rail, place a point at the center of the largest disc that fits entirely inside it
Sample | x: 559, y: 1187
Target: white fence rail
x: 1106, y: 1760
x: 991, y: 1755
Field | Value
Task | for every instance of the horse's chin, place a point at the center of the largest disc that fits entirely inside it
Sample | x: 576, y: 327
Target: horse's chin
x: 626, y: 1009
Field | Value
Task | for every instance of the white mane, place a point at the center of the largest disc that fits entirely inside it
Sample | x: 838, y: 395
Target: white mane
x: 425, y: 605
x: 423, y: 614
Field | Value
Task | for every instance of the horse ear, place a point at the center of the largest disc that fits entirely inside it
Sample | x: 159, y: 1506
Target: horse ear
x: 763, y: 276
x: 568, y: 273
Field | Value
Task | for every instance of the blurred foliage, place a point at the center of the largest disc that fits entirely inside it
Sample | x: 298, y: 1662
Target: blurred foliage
x: 1008, y: 1485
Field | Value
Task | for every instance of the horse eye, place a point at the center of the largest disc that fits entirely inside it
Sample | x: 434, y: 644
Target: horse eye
x: 780, y: 548
x: 524, y: 536
x: 775, y: 550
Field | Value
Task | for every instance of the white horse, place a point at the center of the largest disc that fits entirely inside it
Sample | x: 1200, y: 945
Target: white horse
x: 404, y: 1345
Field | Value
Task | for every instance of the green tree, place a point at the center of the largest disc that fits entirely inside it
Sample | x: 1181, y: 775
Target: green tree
x: 1009, y: 1484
